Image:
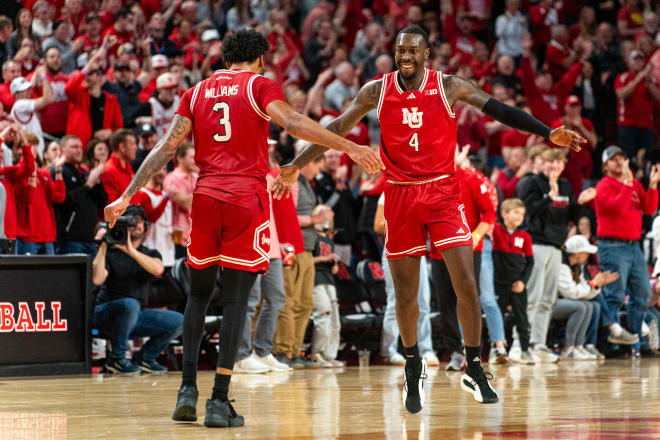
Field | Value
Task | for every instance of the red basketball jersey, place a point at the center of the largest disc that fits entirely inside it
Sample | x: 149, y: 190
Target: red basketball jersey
x: 417, y: 129
x: 230, y: 132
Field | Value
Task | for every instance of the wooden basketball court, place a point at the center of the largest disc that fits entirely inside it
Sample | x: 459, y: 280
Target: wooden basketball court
x: 609, y: 400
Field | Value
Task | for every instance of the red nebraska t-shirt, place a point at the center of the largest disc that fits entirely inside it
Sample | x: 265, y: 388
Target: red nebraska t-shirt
x: 637, y: 109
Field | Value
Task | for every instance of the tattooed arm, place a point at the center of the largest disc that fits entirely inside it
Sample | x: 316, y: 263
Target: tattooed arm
x: 155, y: 161
x: 458, y: 89
x: 366, y: 100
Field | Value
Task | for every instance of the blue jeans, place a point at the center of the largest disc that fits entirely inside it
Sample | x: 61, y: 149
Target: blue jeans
x: 270, y: 288
x: 77, y: 247
x: 628, y: 260
x: 390, y: 337
x: 632, y: 139
x: 487, y: 295
x: 25, y: 248
x: 599, y: 305
x: 123, y: 320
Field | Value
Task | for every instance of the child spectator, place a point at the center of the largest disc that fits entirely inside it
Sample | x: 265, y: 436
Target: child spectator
x: 325, y: 340
x: 513, y: 261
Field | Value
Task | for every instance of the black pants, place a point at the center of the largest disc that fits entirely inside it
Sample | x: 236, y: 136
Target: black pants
x: 445, y: 295
x: 518, y: 301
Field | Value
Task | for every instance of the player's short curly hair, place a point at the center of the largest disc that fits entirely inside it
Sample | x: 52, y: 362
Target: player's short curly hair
x: 245, y: 45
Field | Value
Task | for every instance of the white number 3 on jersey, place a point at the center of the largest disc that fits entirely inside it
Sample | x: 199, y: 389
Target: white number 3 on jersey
x: 414, y: 142
x: 223, y: 121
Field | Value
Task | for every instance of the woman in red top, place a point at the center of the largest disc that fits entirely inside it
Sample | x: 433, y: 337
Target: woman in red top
x: 10, y: 176
x: 35, y: 216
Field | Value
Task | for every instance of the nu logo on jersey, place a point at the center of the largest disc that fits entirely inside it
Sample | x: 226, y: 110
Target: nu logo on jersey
x: 412, y: 117
x: 518, y: 242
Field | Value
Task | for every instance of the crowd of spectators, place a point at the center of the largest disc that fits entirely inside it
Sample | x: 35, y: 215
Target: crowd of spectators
x: 89, y: 86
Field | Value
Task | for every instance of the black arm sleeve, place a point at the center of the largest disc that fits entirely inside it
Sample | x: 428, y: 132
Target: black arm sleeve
x: 516, y: 118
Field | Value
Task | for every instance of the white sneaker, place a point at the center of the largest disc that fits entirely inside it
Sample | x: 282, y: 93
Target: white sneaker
x: 273, y: 363
x: 526, y: 358
x: 335, y: 363
x: 319, y: 362
x: 431, y: 358
x: 514, y: 353
x: 497, y: 356
x: 544, y: 355
x: 251, y: 365
x: 593, y: 350
x: 586, y: 354
x: 396, y: 359
x: 654, y: 336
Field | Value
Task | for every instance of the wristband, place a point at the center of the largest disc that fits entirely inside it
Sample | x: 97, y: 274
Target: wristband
x: 476, y: 235
x: 43, y: 78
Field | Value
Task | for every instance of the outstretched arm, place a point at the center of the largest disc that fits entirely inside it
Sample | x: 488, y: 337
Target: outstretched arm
x: 366, y: 100
x: 156, y: 160
x: 458, y: 89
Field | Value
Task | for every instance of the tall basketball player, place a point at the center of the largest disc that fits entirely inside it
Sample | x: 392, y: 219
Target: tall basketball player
x: 228, y: 114
x: 418, y: 140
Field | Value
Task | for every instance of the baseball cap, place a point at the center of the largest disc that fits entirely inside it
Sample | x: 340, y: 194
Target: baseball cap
x: 91, y: 17
x: 579, y: 243
x: 159, y: 61
x: 145, y: 130
x: 165, y: 81
x: 635, y: 54
x: 572, y: 100
x: 210, y: 35
x: 19, y: 84
x: 610, y: 152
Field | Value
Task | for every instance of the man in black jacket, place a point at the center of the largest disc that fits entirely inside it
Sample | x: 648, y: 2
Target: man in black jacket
x: 550, y: 205
x: 76, y: 218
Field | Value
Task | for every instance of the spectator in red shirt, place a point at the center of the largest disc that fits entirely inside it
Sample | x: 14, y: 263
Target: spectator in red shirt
x: 544, y: 96
x: 118, y: 171
x: 10, y: 71
x: 54, y: 116
x: 479, y: 12
x: 179, y: 185
x: 461, y: 38
x: 637, y: 91
x: 26, y: 57
x: 544, y: 16
x: 629, y: 20
x: 92, y: 112
x: 10, y: 176
x: 516, y: 167
x: 159, y: 65
x: 122, y: 29
x: 184, y: 37
x: 559, y: 56
x: 36, y: 219
x: 109, y: 11
x: 620, y: 203
x: 483, y: 66
x: 91, y: 38
x: 579, y: 166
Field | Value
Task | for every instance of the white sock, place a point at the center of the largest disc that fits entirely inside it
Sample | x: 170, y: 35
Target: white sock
x: 645, y: 329
x: 616, y: 330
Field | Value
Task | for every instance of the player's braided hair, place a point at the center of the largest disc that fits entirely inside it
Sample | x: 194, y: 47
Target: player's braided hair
x: 245, y: 45
x: 416, y: 30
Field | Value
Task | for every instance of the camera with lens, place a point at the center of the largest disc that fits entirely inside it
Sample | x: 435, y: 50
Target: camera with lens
x: 119, y: 233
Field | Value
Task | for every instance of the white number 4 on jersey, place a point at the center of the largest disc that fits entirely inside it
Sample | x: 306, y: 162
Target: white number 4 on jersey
x: 414, y: 142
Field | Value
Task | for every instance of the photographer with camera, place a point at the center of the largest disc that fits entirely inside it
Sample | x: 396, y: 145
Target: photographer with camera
x: 124, y: 269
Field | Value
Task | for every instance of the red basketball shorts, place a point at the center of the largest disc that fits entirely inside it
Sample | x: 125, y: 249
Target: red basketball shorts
x: 229, y: 235
x: 415, y: 212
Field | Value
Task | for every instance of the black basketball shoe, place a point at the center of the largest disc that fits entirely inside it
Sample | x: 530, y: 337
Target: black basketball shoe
x: 221, y: 414
x: 413, y: 387
x: 475, y: 381
x: 186, y: 404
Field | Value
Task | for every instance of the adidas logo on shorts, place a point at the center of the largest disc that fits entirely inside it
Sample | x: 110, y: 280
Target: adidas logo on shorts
x: 460, y: 231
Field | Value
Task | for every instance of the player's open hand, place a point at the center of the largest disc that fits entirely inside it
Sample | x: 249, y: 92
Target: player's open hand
x: 115, y: 209
x: 284, y: 181
x: 366, y: 157
x: 567, y: 138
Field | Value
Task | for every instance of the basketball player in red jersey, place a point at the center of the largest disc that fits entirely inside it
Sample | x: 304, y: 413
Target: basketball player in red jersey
x: 228, y: 114
x: 418, y: 140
